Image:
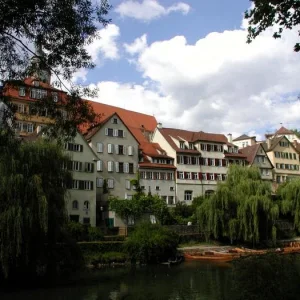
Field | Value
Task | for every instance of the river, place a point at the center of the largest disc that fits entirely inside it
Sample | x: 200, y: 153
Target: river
x: 190, y: 280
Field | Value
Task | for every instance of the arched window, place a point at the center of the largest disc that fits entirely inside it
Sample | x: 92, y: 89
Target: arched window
x: 75, y: 204
x: 86, y: 205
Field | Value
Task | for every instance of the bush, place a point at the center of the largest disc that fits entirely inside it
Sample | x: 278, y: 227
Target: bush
x: 94, y: 234
x: 114, y: 238
x: 106, y: 258
x: 89, y: 248
x: 151, y: 244
x: 76, y: 230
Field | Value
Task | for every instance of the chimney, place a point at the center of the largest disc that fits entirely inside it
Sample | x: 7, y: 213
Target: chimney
x: 229, y: 137
x: 159, y: 125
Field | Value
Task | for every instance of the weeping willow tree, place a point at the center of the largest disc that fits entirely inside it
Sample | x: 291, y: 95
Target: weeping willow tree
x: 289, y: 193
x: 241, y: 207
x: 32, y: 205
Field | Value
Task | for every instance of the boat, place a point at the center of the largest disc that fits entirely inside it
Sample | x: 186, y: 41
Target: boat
x: 209, y: 257
x: 177, y: 261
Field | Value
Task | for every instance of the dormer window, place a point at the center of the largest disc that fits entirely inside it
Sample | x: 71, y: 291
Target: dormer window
x: 36, y: 83
x: 181, y: 145
x: 114, y: 120
x: 38, y: 93
x: 191, y: 146
x: 22, y: 91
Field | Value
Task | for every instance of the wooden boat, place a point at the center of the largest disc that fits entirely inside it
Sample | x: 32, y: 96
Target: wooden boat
x: 170, y: 262
x: 207, y: 257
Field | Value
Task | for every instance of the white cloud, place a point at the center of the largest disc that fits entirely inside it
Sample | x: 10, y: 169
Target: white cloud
x: 106, y: 45
x: 218, y: 84
x: 137, y: 46
x: 148, y: 10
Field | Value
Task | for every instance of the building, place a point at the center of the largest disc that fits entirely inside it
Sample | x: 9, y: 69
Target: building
x: 201, y: 159
x: 284, y: 157
x: 256, y: 156
x: 282, y: 131
x: 81, y: 197
x: 244, y: 141
x: 117, y: 161
x: 157, y: 173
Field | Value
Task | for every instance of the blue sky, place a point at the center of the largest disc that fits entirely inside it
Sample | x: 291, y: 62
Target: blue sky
x: 187, y: 63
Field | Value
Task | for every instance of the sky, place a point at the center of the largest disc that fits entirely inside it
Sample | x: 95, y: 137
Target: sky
x: 188, y: 64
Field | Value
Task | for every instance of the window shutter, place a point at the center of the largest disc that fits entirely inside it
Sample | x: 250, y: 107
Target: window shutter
x: 117, y: 167
x: 115, y: 132
x: 124, y: 134
x: 110, y: 148
x: 99, y: 165
x: 92, y: 185
x: 124, y: 150
x: 86, y: 167
x: 117, y: 149
x: 106, y: 131
x: 81, y: 148
x: 130, y: 150
x: 200, y: 176
x: 81, y: 185
x: 177, y: 174
x: 99, y: 147
x: 110, y: 166
x: 92, y: 169
x: 126, y: 167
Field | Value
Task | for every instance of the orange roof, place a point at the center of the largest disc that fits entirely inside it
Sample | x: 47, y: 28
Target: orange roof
x: 235, y: 155
x: 190, y: 136
x: 154, y: 150
x: 250, y: 152
x: 283, y: 130
x: 139, y: 124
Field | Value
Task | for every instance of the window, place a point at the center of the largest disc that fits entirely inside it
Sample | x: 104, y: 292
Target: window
x: 157, y: 188
x: 188, y: 160
x: 88, y: 185
x: 195, y: 176
x: 180, y: 175
x: 130, y: 150
x: 131, y: 168
x: 170, y: 176
x: 220, y: 148
x: 86, y: 205
x: 110, y: 148
x: 181, y: 145
x: 99, y: 182
x: 110, y: 166
x: 211, y: 177
x: 114, y: 120
x: 121, y: 133
x: 99, y: 147
x: 121, y: 167
x: 171, y: 188
x: 75, y: 204
x: 89, y: 167
x: 188, y: 195
x: 120, y: 149
x: 54, y: 97
x: 188, y: 175
x: 180, y: 159
x: 283, y: 144
x: 38, y: 93
x: 143, y: 175
x: 156, y: 176
x: 21, y: 108
x: 109, y: 132
x: 294, y: 155
x: 219, y: 177
x: 204, y: 177
x: 171, y: 200
x: 127, y: 184
x: 76, y: 166
x: 99, y: 166
x: 22, y: 91
x: 74, y: 147
x: 75, y: 184
x: 191, y: 146
x: 213, y: 162
x: 86, y: 221
x: 110, y: 183
x: 149, y: 175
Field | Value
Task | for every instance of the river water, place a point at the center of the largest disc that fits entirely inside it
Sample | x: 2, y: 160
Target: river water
x: 190, y: 280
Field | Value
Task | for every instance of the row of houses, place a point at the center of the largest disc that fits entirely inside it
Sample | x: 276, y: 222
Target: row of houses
x: 176, y: 164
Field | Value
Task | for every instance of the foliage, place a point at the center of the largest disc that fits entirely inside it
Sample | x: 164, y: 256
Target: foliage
x: 269, y: 276
x: 139, y: 205
x: 63, y: 28
x: 151, y: 243
x: 94, y: 234
x: 282, y: 13
x: 100, y: 247
x: 106, y: 258
x: 114, y: 238
x: 241, y: 208
x: 290, y: 204
x: 76, y: 230
x: 296, y: 132
x: 32, y: 205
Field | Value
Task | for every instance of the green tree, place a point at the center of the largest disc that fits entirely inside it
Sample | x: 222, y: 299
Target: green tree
x: 285, y: 14
x: 151, y: 243
x: 241, y: 208
x: 32, y: 205
x: 289, y: 193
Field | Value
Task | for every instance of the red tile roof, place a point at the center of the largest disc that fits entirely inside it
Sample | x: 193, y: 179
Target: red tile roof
x: 250, y: 152
x: 190, y: 136
x: 243, y: 137
x: 283, y: 130
x: 235, y: 155
x: 151, y: 149
x: 139, y: 124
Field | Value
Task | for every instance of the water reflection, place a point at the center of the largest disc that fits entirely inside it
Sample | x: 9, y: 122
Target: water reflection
x: 190, y: 280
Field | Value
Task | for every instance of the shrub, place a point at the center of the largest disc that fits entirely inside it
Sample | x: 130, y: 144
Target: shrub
x: 106, y: 258
x: 89, y: 248
x: 76, y: 230
x: 94, y: 234
x: 151, y: 243
x: 114, y: 238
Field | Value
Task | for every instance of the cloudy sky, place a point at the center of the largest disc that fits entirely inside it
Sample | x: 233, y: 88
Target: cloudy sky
x: 188, y: 64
